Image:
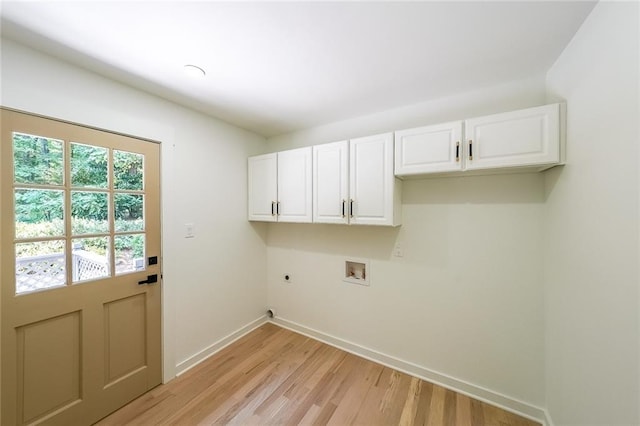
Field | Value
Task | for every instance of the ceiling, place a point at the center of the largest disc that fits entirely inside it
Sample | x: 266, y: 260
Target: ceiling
x: 275, y: 67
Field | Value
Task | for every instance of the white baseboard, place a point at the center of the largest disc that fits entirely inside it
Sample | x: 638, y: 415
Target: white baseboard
x: 478, y: 392
x: 197, y: 358
x: 547, y: 418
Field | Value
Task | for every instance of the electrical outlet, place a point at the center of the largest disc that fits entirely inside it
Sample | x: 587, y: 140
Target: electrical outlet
x: 287, y: 278
x: 397, y: 250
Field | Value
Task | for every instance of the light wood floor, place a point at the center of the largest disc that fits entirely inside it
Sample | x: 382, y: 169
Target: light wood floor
x: 275, y: 376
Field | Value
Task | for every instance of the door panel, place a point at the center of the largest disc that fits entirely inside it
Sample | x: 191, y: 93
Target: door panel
x: 50, y: 342
x: 294, y: 185
x: 430, y: 149
x: 263, y: 187
x: 125, y: 322
x: 331, y: 182
x: 371, y: 179
x: 518, y: 138
x: 80, y: 336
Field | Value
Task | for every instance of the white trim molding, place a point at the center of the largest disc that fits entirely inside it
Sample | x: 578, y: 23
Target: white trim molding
x: 183, y: 366
x: 474, y: 391
x: 547, y: 418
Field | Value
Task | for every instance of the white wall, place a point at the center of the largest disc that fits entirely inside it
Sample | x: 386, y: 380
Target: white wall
x: 591, y: 225
x: 214, y: 283
x: 465, y: 300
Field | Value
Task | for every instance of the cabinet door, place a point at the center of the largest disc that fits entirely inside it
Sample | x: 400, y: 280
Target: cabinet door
x: 294, y: 185
x: 371, y: 180
x: 519, y: 138
x: 430, y: 149
x: 263, y: 190
x: 331, y: 183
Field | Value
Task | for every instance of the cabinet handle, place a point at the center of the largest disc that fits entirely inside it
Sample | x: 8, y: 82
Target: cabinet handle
x: 457, y: 151
x: 350, y: 208
x: 343, y: 206
x: 272, y: 205
x: 470, y: 149
x: 278, y: 208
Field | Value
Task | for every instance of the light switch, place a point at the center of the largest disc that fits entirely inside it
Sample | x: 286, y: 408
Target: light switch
x: 189, y: 230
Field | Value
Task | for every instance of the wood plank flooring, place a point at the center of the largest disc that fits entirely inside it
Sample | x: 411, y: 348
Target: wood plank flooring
x: 273, y: 376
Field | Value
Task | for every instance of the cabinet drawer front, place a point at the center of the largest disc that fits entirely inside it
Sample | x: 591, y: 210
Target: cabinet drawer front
x: 520, y: 138
x: 430, y: 149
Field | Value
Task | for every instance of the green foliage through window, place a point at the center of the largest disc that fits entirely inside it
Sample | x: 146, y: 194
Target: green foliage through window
x: 127, y: 170
x: 133, y: 244
x: 37, y: 160
x: 38, y: 205
x: 88, y: 166
x: 40, y: 212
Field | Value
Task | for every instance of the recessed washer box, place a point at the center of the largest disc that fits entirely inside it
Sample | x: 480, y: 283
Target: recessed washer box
x: 357, y: 271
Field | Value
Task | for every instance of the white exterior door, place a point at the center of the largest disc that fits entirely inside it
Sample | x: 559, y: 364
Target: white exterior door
x: 331, y: 183
x: 262, y: 187
x: 430, y: 149
x: 81, y: 277
x: 520, y: 138
x: 294, y: 185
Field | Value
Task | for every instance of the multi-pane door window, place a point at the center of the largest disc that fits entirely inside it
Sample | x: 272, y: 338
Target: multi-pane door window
x: 79, y: 212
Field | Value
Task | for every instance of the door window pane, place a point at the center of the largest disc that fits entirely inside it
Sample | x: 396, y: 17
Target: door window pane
x: 128, y: 170
x: 88, y: 166
x: 129, y: 210
x: 89, y: 212
x: 129, y: 252
x: 37, y: 159
x: 40, y: 265
x: 39, y: 213
x: 90, y: 258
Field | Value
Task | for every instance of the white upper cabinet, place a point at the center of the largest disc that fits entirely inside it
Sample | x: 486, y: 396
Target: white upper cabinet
x: 263, y: 187
x: 531, y: 139
x: 430, y: 149
x: 294, y: 185
x: 528, y: 137
x: 353, y: 182
x: 331, y: 182
x: 280, y: 186
x: 348, y: 182
x: 374, y: 192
